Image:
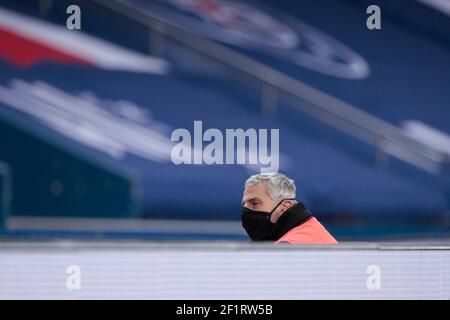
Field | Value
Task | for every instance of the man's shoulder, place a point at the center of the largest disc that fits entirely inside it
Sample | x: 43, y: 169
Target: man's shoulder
x: 309, y: 232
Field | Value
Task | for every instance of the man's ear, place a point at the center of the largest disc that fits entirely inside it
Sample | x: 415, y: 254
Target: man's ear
x: 285, y: 206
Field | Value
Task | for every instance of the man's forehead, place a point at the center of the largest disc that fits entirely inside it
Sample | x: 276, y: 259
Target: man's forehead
x: 252, y: 190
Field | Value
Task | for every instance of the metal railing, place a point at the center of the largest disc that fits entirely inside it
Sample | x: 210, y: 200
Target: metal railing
x: 276, y: 86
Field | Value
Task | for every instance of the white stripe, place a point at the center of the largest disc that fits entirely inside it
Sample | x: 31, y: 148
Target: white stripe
x: 94, y: 127
x: 99, y: 52
x: 440, y: 5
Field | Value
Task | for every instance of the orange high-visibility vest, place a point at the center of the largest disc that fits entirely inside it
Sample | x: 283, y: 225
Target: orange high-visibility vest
x: 309, y: 232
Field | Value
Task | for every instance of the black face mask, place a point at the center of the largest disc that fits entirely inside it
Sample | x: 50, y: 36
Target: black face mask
x: 258, y: 224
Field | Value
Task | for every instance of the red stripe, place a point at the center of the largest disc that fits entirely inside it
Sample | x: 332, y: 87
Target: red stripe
x: 25, y: 52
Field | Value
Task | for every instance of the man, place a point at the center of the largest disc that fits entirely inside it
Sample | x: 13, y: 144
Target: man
x: 271, y: 213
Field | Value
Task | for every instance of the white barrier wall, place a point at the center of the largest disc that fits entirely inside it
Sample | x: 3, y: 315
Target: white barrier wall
x: 77, y: 270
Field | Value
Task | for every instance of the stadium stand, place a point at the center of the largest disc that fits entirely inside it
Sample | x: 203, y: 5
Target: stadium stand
x: 87, y: 136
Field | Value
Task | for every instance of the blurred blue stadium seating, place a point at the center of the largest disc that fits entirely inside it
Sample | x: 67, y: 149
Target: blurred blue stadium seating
x: 101, y: 169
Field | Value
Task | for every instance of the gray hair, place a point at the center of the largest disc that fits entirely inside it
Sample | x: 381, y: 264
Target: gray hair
x: 279, y: 186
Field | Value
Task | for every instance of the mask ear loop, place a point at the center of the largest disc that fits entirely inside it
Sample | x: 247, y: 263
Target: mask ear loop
x: 270, y: 213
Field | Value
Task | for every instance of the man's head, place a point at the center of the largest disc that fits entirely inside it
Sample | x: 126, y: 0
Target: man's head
x: 264, y: 191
